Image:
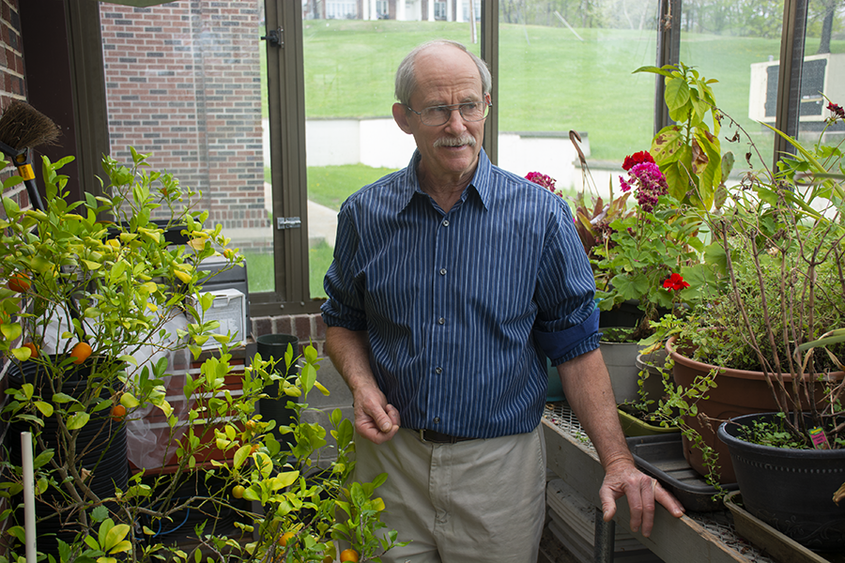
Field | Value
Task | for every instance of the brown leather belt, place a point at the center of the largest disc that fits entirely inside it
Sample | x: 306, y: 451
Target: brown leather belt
x: 438, y: 437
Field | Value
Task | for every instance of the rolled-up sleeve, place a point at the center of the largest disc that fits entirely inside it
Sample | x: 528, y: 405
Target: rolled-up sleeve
x: 567, y: 323
x: 344, y: 306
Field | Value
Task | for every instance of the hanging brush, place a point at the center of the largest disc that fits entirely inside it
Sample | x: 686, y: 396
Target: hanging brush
x: 22, y: 128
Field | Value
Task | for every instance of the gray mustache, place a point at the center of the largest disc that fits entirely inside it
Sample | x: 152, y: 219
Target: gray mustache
x: 455, y: 142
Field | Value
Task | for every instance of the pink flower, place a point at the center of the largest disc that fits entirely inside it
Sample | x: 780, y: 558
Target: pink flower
x: 636, y: 158
x: 646, y: 177
x: 541, y: 179
x: 675, y: 282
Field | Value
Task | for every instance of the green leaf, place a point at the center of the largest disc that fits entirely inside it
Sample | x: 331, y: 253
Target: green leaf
x: 78, y: 420
x: 677, y: 96
x: 241, y: 456
x: 45, y: 408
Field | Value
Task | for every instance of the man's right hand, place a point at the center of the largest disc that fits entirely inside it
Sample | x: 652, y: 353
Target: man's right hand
x: 375, y: 419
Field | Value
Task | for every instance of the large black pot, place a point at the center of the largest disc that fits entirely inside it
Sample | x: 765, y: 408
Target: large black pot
x: 789, y: 489
x: 101, y: 445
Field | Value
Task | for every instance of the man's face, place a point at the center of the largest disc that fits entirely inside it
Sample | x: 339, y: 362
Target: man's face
x: 445, y: 76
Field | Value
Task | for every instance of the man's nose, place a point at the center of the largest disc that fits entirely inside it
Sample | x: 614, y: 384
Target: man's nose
x: 456, y: 120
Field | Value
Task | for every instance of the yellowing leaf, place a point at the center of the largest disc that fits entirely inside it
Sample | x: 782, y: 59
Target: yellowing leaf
x: 128, y: 400
x: 183, y: 277
x: 78, y: 420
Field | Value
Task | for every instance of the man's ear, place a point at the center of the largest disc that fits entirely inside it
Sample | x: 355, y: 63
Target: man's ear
x: 400, y: 116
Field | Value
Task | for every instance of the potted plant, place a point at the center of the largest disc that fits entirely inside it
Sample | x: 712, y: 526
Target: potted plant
x: 93, y: 291
x: 777, y: 245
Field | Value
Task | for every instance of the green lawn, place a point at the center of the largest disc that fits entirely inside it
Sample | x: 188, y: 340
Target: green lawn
x: 549, y: 80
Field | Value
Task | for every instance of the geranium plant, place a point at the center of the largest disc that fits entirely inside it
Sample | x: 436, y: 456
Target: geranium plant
x: 646, y: 248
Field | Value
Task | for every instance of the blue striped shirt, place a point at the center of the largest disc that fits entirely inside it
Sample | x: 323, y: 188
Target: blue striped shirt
x: 459, y: 305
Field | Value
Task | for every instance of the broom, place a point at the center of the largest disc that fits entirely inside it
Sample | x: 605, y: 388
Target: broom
x: 22, y: 127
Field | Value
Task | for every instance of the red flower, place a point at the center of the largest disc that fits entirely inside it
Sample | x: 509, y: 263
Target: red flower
x: 836, y: 110
x: 636, y: 158
x: 675, y: 282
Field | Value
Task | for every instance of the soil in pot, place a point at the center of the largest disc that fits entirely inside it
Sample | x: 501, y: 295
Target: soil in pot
x: 789, y: 489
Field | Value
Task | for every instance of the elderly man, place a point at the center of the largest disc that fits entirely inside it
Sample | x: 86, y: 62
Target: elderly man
x: 449, y: 278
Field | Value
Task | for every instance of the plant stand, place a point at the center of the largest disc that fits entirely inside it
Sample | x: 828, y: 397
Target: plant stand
x: 781, y: 548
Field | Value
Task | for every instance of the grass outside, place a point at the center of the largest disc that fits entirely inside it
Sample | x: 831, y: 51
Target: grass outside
x: 549, y: 80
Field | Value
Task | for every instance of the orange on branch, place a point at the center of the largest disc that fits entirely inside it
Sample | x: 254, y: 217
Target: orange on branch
x: 349, y: 555
x: 80, y: 352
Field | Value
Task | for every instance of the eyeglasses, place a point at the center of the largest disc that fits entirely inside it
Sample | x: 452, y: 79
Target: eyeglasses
x: 435, y: 116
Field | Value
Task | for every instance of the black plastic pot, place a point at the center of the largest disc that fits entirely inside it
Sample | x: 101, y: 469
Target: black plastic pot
x: 101, y: 445
x: 789, y: 489
x: 275, y: 408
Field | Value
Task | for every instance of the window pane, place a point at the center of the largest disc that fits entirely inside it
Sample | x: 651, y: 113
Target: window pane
x: 351, y: 138
x: 568, y: 66
x: 738, y: 44
x: 183, y: 83
x: 824, y: 67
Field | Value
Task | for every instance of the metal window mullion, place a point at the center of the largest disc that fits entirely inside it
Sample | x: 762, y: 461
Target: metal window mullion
x: 490, y: 54
x: 789, y: 74
x: 668, y: 53
x: 286, y: 105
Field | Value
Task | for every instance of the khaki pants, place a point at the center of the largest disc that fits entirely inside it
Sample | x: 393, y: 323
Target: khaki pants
x: 479, y: 500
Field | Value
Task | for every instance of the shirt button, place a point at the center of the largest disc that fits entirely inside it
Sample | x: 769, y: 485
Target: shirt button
x: 436, y: 420
x: 445, y: 222
x: 441, y: 321
x: 442, y: 271
x: 438, y: 370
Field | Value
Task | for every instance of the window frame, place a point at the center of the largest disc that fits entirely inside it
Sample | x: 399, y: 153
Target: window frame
x: 286, y: 99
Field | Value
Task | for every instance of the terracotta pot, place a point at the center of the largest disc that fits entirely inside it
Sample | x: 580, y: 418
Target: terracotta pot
x: 739, y: 392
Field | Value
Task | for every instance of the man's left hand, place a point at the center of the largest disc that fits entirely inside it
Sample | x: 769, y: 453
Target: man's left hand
x: 624, y: 479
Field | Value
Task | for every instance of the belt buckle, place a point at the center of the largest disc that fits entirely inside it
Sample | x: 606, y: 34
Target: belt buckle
x: 421, y: 432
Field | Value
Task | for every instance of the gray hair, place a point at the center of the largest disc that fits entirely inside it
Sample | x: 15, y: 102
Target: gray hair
x: 406, y: 80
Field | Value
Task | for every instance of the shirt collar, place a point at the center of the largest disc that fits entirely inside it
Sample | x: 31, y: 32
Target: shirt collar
x: 480, y: 180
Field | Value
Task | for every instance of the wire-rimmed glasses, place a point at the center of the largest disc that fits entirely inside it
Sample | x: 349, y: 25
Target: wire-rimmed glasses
x: 435, y: 116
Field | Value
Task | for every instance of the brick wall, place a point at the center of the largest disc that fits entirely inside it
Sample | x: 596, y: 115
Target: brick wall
x: 12, y: 83
x: 309, y: 329
x: 11, y: 56
x: 183, y: 82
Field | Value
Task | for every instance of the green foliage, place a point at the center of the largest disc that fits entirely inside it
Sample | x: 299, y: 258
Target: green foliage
x: 775, y: 434
x: 642, y: 250
x: 689, y: 152
x: 100, y: 271
x: 775, y: 291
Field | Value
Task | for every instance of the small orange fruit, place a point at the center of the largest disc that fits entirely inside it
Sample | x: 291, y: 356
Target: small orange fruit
x: 33, y: 351
x: 118, y: 412
x: 349, y: 555
x: 19, y: 282
x: 286, y: 537
x: 80, y: 352
x: 238, y: 491
x: 328, y: 559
